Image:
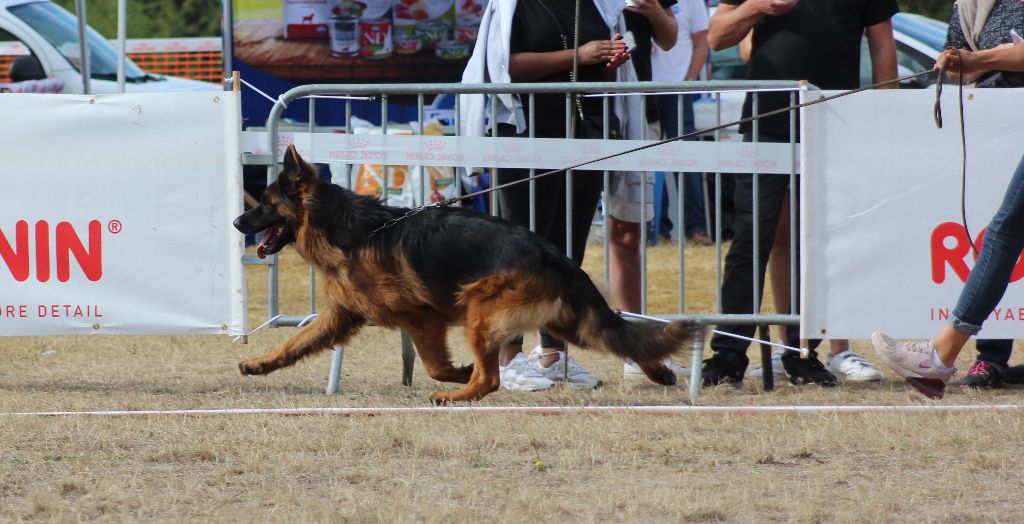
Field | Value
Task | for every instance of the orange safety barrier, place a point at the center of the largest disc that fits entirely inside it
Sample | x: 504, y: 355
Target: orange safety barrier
x: 198, y: 65
x: 5, y: 66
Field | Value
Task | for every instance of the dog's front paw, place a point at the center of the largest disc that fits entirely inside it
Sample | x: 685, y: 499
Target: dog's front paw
x: 251, y: 367
x: 438, y: 399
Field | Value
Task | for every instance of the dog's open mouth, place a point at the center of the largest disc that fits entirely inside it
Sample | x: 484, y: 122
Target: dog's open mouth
x: 273, y: 240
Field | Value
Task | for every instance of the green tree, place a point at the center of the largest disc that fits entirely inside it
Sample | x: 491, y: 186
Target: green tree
x: 937, y: 9
x: 154, y: 18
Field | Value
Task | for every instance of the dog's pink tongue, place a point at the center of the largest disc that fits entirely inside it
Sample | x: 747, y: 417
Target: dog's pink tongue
x: 261, y: 250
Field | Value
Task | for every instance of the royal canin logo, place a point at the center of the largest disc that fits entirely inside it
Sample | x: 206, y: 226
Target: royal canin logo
x: 358, y: 143
x: 512, y: 147
x: 25, y: 248
x: 434, y: 144
x: 955, y: 255
x: 670, y: 149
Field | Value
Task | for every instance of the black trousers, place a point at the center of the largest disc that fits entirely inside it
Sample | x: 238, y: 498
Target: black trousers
x: 514, y: 206
x: 738, y: 279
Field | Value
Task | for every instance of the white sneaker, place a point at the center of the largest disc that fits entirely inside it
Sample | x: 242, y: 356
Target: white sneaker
x: 851, y: 366
x: 521, y: 375
x: 778, y: 371
x: 579, y: 378
x: 631, y: 371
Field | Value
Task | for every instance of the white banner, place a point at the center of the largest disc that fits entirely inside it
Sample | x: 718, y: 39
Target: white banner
x: 117, y: 214
x: 883, y: 247
x: 539, y: 153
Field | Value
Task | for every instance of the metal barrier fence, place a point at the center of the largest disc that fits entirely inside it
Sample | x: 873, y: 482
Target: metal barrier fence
x: 716, y: 90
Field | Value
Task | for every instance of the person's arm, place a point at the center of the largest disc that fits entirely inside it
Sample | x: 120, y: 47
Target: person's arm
x: 731, y: 23
x: 663, y: 23
x: 529, y: 66
x: 972, y: 64
x: 883, y: 53
x: 699, y: 56
x: 747, y: 47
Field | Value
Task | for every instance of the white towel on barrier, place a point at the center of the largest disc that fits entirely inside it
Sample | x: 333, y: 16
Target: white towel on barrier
x: 490, y: 59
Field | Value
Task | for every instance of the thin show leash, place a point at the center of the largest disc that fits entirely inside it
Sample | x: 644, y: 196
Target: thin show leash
x: 963, y: 141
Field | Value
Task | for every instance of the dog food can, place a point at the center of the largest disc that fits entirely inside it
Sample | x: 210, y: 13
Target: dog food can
x: 375, y: 38
x: 466, y: 34
x: 305, y: 18
x: 406, y: 45
x: 433, y: 33
x: 469, y: 12
x: 452, y: 50
x: 344, y: 36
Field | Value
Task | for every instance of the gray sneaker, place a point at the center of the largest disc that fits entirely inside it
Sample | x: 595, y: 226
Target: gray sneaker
x: 521, y: 375
x: 579, y: 378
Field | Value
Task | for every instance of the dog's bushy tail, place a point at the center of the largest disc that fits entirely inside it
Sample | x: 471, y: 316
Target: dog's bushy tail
x: 596, y: 326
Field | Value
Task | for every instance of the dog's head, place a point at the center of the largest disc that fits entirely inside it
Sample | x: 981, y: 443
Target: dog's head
x: 282, y: 207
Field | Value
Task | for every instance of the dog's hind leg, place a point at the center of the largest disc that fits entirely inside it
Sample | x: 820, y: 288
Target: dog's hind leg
x: 485, y: 378
x: 497, y: 308
x: 429, y: 335
x: 333, y: 325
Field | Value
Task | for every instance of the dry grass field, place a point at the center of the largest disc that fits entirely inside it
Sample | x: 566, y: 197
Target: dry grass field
x: 472, y: 467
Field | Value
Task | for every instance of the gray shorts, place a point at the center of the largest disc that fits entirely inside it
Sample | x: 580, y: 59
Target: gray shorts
x: 626, y: 187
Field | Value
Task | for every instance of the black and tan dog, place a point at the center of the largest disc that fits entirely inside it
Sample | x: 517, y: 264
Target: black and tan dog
x: 442, y: 267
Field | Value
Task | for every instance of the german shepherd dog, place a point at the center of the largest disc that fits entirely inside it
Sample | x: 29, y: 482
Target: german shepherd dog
x: 441, y: 267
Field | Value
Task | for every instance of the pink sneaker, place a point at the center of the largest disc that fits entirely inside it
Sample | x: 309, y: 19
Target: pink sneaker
x: 912, y: 359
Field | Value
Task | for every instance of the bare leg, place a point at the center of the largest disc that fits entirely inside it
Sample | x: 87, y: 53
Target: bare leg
x: 624, y: 262
x: 948, y: 344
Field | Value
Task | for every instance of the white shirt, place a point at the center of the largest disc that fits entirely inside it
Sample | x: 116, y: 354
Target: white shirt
x: 671, y: 65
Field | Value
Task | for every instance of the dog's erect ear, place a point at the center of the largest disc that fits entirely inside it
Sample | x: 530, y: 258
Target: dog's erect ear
x: 292, y: 161
x: 296, y: 171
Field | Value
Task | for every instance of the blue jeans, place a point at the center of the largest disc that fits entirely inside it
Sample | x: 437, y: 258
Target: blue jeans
x: 693, y: 188
x: 1003, y: 243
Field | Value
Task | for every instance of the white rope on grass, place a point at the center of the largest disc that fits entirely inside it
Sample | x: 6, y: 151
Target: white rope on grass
x: 804, y: 352
x: 535, y: 410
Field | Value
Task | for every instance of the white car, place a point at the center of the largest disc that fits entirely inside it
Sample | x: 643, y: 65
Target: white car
x: 919, y: 40
x: 45, y: 36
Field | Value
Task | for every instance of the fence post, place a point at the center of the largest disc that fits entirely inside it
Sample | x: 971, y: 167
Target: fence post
x: 408, y: 359
x: 335, y: 376
x: 696, y: 363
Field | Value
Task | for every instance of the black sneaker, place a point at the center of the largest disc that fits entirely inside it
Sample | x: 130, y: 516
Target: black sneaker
x: 1015, y: 375
x: 985, y: 375
x: 724, y: 367
x: 807, y: 370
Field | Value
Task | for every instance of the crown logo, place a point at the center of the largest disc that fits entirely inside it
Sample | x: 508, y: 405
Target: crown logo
x: 670, y: 149
x: 746, y: 151
x: 434, y: 144
x: 512, y: 146
x: 358, y: 143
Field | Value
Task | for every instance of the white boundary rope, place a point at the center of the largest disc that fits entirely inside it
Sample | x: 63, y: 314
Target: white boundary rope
x: 273, y: 100
x: 804, y: 352
x: 536, y: 410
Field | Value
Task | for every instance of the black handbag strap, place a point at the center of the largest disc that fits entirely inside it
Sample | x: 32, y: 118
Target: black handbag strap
x: 565, y: 45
